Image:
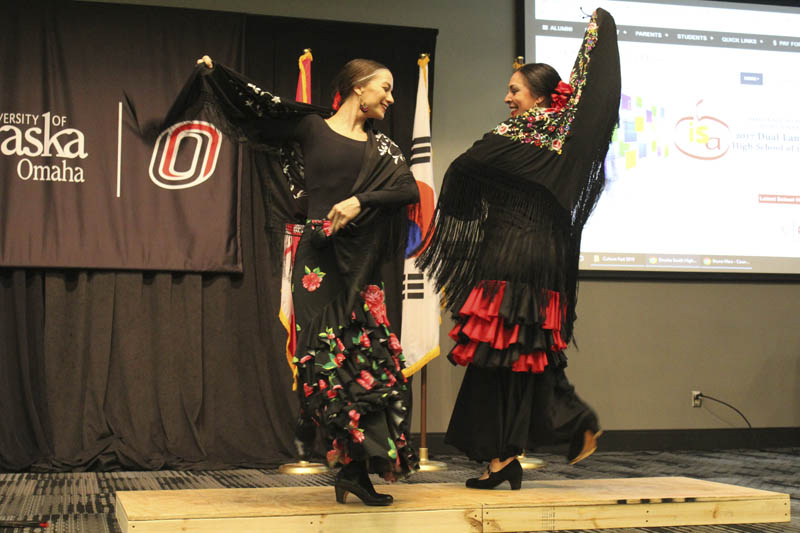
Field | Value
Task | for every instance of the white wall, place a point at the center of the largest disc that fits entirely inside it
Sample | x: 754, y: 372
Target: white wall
x: 644, y: 345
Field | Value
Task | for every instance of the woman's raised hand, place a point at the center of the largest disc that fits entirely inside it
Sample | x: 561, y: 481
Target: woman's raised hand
x: 343, y: 212
x: 207, y: 61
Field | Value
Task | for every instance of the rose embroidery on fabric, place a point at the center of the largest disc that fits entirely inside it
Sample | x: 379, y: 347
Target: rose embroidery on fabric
x: 354, y: 418
x: 366, y: 380
x: 358, y: 435
x: 394, y: 344
x: 373, y: 297
x: 313, y: 279
x: 364, y: 340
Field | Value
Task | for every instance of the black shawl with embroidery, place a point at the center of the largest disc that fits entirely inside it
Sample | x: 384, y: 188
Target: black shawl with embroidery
x: 248, y: 114
x: 513, y: 206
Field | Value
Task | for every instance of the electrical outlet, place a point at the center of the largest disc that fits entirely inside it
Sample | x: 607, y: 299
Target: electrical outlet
x: 697, y: 398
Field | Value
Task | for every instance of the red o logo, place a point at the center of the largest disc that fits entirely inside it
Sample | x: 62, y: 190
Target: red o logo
x: 185, y: 155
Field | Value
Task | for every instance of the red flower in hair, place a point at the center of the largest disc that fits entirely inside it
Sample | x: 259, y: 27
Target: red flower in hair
x: 559, y: 98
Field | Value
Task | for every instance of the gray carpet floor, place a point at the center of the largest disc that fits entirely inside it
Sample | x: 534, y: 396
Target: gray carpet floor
x: 84, y: 502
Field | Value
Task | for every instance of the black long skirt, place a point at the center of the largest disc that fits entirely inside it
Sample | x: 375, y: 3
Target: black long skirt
x: 349, y: 365
x: 515, y: 395
x: 499, y: 412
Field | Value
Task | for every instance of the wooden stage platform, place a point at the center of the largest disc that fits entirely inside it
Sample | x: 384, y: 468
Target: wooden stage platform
x: 445, y: 507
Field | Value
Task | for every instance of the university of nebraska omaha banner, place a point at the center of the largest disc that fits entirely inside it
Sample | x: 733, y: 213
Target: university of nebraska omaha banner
x: 85, y: 179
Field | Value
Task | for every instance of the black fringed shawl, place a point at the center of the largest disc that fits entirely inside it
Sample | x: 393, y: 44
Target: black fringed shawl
x: 262, y: 120
x: 513, y: 206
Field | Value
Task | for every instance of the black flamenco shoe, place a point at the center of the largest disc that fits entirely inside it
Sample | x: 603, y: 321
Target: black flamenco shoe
x: 354, y: 479
x: 584, y: 440
x: 512, y: 473
x: 366, y: 482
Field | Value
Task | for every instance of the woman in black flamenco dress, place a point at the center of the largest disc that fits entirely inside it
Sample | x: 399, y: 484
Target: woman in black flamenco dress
x: 353, y: 185
x: 504, y: 250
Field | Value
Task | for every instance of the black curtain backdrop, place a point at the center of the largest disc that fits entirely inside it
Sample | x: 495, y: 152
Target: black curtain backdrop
x: 107, y: 370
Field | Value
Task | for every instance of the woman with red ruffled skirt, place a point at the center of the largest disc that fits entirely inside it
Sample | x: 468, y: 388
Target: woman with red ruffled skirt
x: 504, y: 251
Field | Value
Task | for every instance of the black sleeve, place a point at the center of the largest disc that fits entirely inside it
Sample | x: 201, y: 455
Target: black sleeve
x: 404, y: 192
x: 256, y: 114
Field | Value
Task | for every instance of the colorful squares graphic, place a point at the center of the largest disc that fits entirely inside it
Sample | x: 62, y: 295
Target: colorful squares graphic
x: 639, y: 124
x: 625, y: 102
x: 629, y: 131
x: 630, y: 159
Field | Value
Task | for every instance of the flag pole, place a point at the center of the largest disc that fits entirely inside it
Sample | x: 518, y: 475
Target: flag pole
x: 425, y: 464
x: 287, y: 315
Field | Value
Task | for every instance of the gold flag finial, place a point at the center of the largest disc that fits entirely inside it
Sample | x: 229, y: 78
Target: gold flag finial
x: 424, y: 59
x: 518, y: 62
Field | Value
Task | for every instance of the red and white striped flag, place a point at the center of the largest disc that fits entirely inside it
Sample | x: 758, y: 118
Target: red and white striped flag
x: 293, y: 232
x: 304, y: 77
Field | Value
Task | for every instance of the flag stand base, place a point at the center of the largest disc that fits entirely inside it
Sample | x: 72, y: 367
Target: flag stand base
x: 426, y: 465
x: 529, y: 463
x: 303, y: 467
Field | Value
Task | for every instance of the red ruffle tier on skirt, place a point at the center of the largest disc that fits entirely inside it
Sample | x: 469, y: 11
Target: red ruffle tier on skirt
x: 481, y: 321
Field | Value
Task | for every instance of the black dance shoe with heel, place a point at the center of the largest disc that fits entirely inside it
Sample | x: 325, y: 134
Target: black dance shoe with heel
x: 512, y: 473
x: 584, y: 440
x: 354, y: 479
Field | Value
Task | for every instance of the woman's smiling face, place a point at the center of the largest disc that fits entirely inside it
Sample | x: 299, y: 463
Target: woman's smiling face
x: 519, y: 97
x: 376, y: 93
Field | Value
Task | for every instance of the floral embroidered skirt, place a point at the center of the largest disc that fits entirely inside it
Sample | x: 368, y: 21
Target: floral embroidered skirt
x: 515, y: 395
x: 350, y: 366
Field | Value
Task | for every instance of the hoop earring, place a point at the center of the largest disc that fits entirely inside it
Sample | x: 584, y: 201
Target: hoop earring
x: 363, y: 107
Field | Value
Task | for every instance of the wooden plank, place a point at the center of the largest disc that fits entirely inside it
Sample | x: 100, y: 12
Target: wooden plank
x: 287, y: 501
x: 554, y: 518
x: 121, y: 516
x: 438, y: 507
x: 456, y: 521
